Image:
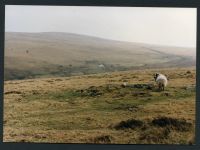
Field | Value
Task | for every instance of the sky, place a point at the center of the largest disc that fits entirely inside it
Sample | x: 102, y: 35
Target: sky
x: 161, y: 26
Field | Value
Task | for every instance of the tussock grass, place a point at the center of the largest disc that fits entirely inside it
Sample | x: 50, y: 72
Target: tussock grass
x: 94, y: 109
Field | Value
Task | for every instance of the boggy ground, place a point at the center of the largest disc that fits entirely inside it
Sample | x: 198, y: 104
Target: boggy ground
x: 98, y: 109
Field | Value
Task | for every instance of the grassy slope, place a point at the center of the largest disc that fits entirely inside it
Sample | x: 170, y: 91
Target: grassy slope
x: 65, y: 54
x: 54, y: 110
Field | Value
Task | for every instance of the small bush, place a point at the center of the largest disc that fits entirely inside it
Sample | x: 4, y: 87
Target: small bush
x: 173, y: 123
x: 104, y: 139
x: 131, y: 123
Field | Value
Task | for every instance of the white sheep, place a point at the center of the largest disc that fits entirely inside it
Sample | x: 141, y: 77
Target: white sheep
x: 161, y: 81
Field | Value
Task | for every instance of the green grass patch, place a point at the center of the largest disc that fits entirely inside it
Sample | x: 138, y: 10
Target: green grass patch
x: 110, y: 100
x: 57, y: 96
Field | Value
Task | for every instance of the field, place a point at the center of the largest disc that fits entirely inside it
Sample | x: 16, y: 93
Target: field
x: 97, y: 108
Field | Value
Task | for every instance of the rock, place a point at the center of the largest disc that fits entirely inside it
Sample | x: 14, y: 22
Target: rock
x: 141, y: 94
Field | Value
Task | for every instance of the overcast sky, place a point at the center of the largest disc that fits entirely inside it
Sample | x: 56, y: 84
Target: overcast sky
x: 163, y: 26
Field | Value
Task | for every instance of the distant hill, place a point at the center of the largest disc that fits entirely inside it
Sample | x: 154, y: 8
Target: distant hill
x: 31, y: 55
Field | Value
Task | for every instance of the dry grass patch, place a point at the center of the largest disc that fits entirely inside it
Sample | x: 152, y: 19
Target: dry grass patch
x: 86, y: 109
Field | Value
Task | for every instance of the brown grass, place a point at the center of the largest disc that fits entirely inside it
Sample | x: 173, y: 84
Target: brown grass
x: 60, y: 110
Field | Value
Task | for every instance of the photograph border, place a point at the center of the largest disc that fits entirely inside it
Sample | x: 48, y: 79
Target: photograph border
x: 110, y: 3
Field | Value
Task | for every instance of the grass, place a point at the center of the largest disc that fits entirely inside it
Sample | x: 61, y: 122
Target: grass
x: 86, y: 109
x: 57, y: 96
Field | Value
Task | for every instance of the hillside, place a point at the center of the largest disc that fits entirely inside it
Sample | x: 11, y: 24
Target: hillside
x: 31, y: 55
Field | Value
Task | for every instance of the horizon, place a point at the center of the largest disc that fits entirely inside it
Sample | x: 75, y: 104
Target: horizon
x: 149, y: 44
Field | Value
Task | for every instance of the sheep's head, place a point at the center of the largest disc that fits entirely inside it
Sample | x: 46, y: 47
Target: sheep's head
x: 155, y: 76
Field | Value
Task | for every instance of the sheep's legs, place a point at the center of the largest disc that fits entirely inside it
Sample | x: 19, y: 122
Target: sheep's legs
x: 161, y: 87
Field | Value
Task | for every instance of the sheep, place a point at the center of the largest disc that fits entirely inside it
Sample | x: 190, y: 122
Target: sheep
x: 161, y: 80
